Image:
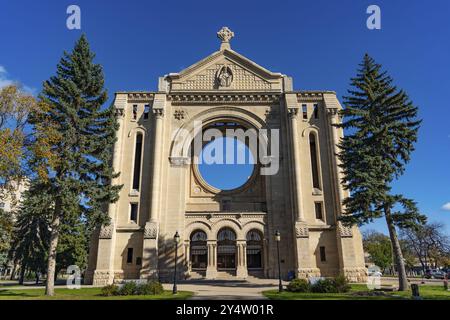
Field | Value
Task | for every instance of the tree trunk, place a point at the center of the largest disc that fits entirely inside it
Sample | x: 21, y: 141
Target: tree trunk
x: 22, y: 275
x: 397, y: 251
x: 13, y: 271
x: 51, y: 265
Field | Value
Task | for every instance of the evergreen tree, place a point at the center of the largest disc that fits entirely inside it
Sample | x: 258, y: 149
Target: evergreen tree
x: 73, y: 245
x: 382, y: 127
x: 31, y: 234
x: 6, y: 228
x: 74, y: 139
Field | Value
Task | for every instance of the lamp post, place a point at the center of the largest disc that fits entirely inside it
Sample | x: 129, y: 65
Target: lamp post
x: 277, y: 239
x: 176, y: 237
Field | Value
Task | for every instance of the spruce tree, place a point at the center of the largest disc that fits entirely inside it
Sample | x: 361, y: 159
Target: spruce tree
x: 74, y: 139
x: 382, y: 126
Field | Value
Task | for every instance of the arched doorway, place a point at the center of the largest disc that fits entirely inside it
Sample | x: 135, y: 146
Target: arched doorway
x: 226, y: 249
x: 254, y: 249
x: 199, y: 250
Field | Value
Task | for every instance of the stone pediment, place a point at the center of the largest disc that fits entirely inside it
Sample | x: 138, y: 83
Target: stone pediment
x: 225, y: 71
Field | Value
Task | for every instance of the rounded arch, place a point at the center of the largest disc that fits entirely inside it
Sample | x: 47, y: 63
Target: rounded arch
x: 198, y: 225
x: 198, y: 235
x: 253, y: 225
x: 313, y: 128
x: 254, y: 235
x: 226, y: 234
x: 138, y: 129
x: 183, y: 137
x: 227, y: 223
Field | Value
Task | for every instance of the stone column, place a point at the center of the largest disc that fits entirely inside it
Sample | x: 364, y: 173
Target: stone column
x: 211, y: 269
x: 150, y: 245
x: 241, y: 269
x: 351, y: 261
x: 104, y: 269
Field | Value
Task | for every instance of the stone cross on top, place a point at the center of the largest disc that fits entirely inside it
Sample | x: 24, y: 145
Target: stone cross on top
x: 225, y: 35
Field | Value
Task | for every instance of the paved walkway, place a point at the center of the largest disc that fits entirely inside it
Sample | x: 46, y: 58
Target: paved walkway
x: 227, y: 289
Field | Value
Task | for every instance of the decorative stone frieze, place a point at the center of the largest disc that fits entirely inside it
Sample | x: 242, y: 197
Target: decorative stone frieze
x: 106, y: 232
x: 150, y: 230
x: 301, y: 230
x: 344, y: 231
x: 194, y: 99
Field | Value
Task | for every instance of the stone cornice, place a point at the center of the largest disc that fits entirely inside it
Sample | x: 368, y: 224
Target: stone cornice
x: 224, y: 215
x: 222, y: 97
x: 310, y: 96
x: 140, y: 96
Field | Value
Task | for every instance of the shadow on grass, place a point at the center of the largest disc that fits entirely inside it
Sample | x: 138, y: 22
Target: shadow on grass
x: 83, y: 294
x: 10, y: 293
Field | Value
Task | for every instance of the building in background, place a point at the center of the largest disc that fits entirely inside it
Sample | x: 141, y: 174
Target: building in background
x: 10, y: 199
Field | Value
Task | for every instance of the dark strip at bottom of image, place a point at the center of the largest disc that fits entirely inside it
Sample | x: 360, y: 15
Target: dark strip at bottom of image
x: 231, y: 309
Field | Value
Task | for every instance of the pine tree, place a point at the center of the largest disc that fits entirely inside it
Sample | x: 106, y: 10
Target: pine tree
x: 382, y: 127
x: 74, y: 138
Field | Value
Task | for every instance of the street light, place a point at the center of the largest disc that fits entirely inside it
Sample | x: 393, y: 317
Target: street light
x: 176, y: 237
x: 277, y: 239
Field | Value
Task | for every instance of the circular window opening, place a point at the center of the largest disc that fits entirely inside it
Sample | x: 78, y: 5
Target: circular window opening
x: 226, y: 163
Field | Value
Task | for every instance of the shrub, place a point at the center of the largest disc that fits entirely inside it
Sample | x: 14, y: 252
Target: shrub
x: 341, y: 284
x: 110, y: 290
x: 298, y: 285
x: 324, y: 286
x: 338, y: 284
x: 150, y: 288
x: 128, y: 289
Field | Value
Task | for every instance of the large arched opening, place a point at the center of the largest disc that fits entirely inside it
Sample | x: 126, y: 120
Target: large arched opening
x: 198, y: 250
x: 254, y: 250
x: 226, y: 249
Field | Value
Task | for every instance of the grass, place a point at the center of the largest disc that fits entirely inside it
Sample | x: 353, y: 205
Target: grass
x: 426, y: 292
x: 83, y: 294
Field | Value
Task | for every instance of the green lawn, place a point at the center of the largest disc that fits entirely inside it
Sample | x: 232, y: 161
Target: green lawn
x: 83, y: 294
x: 357, y: 293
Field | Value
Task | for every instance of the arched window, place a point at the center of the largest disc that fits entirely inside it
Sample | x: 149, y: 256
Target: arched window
x: 199, y: 250
x: 314, y: 161
x: 254, y: 249
x: 137, y: 162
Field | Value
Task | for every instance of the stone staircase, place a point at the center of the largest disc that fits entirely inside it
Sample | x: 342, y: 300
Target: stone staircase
x: 197, y: 274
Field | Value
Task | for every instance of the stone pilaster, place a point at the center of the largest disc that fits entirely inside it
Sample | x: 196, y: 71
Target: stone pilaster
x: 293, y: 115
x: 211, y: 269
x: 149, y: 268
x: 349, y: 243
x: 104, y: 269
x: 241, y: 268
x: 150, y: 245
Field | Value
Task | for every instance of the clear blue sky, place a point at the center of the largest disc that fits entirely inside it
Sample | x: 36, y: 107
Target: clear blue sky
x: 319, y: 43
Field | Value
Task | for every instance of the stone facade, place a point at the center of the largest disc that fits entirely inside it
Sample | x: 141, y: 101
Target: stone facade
x: 226, y: 231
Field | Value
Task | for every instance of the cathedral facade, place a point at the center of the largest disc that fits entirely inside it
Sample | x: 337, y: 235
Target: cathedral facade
x: 226, y: 233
